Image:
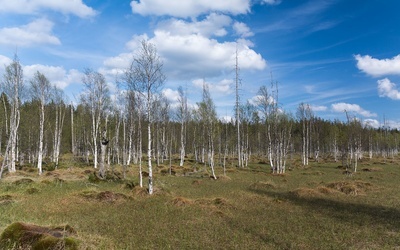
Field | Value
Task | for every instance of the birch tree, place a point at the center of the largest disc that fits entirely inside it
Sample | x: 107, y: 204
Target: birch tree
x: 40, y: 89
x: 60, y: 109
x: 12, y: 85
x: 96, y: 97
x: 182, y: 116
x: 237, y: 111
x: 304, y: 114
x: 145, y: 76
x: 279, y: 128
x: 208, y: 117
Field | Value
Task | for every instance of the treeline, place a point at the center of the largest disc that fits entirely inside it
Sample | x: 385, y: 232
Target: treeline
x: 141, y: 125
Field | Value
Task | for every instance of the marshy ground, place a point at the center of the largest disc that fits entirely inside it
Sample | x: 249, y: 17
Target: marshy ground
x: 314, y: 207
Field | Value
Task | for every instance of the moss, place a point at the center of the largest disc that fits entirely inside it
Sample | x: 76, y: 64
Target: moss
x: 25, y: 236
x: 32, y: 190
x: 23, y: 181
x: 51, y: 242
x: 6, y: 199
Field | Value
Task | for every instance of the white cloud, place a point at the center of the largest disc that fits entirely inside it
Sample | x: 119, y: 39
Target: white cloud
x: 272, y: 2
x: 191, y: 56
x: 371, y: 123
x: 342, y: 107
x: 194, y: 49
x: 171, y: 95
x: 377, y: 67
x: 189, y: 8
x: 388, y: 89
x: 393, y: 124
x: 212, y: 25
x: 226, y: 119
x: 242, y: 29
x: 317, y: 108
x: 4, y: 62
x: 195, y: 55
x: 75, y: 7
x: 56, y: 75
x: 222, y: 87
x: 255, y: 100
x: 36, y: 32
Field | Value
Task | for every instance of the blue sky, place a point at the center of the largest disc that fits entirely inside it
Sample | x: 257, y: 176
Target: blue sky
x: 335, y: 55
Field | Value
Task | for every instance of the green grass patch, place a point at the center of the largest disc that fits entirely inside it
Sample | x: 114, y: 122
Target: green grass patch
x: 307, y: 208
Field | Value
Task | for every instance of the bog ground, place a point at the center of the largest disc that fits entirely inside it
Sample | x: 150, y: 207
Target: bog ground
x: 317, y: 207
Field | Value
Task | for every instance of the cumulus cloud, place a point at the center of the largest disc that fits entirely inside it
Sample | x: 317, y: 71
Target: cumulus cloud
x: 378, y: 67
x: 388, y: 89
x: 195, y: 55
x: 189, y: 8
x: 213, y: 25
x: 342, y: 107
x: 75, y: 7
x: 371, y: 123
x: 36, y: 32
x: 222, y: 87
x: 4, y: 61
x: 190, y: 50
x: 242, y: 29
x: 171, y: 95
x: 55, y: 74
x: 255, y: 100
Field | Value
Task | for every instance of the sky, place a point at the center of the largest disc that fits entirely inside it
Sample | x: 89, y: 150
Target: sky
x: 335, y: 55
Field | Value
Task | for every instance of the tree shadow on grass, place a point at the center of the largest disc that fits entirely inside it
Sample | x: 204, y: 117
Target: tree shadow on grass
x: 355, y: 213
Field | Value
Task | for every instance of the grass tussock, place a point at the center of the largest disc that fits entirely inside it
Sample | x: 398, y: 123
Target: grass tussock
x: 6, y: 199
x: 253, y: 210
x: 23, y: 181
x: 263, y: 185
x: 181, y: 201
x: 351, y: 188
x: 104, y: 196
x: 28, y: 236
x: 224, y: 178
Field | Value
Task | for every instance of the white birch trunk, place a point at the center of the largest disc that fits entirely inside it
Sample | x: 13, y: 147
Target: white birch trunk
x: 41, y: 130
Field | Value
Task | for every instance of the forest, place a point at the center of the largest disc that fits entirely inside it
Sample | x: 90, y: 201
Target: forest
x: 38, y: 125
x: 140, y: 134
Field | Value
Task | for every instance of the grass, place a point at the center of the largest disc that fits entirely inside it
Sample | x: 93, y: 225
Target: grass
x: 316, y: 207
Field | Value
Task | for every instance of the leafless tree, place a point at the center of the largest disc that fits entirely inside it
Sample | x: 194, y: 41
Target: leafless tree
x: 41, y: 90
x: 96, y: 97
x: 12, y: 86
x: 145, y: 76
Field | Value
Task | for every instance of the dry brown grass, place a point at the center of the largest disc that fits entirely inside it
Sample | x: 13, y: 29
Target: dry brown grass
x: 105, y: 196
x: 181, y: 201
x: 351, y: 187
x: 224, y: 178
x: 263, y: 185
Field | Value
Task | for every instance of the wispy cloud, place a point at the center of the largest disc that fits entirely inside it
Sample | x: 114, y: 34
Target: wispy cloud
x: 75, y: 7
x: 272, y: 2
x: 303, y: 17
x: 317, y: 108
